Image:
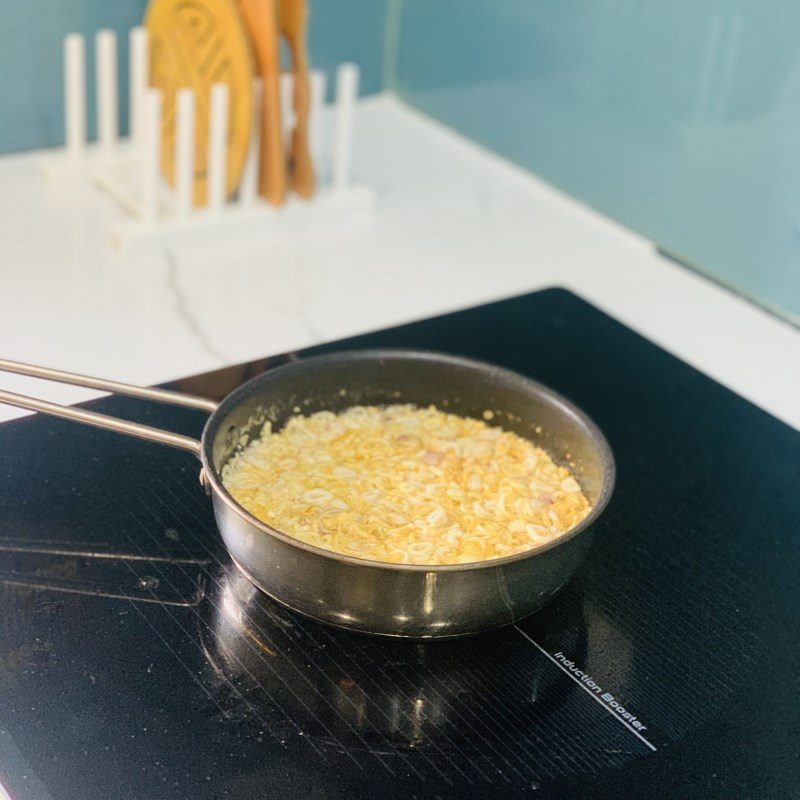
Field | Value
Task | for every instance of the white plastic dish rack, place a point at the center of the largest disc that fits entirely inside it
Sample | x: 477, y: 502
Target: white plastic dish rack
x: 128, y: 169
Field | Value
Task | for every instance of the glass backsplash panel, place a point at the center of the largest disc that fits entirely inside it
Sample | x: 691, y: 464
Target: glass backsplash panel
x: 679, y: 119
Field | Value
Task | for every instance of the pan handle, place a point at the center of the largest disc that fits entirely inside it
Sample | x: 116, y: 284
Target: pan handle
x: 101, y: 420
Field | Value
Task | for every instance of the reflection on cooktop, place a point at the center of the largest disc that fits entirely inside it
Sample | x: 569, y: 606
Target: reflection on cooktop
x: 352, y: 692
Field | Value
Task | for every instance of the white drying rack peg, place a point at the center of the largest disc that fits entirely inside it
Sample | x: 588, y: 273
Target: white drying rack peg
x: 107, y: 100
x: 138, y: 77
x: 77, y: 159
x: 315, y: 134
x: 71, y: 163
x: 218, y: 147
x: 75, y: 95
x: 119, y: 168
x: 346, y: 95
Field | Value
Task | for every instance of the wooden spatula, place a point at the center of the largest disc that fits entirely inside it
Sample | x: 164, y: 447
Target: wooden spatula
x: 292, y: 23
x: 261, y: 20
x: 198, y: 44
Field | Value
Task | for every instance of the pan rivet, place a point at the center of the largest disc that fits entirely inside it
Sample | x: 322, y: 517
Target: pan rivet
x: 204, y: 482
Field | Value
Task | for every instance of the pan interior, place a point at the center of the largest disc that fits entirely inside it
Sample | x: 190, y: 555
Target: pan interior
x: 460, y: 386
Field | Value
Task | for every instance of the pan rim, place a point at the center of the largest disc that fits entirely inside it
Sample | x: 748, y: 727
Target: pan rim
x: 382, y: 354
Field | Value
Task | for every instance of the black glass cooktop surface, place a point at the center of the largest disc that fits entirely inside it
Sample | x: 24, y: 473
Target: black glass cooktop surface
x: 136, y: 662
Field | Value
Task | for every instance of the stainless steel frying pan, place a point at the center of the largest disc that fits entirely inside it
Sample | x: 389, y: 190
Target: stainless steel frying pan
x: 372, y: 596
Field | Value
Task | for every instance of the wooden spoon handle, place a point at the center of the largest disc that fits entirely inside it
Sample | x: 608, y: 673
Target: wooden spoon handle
x: 292, y: 22
x: 261, y: 19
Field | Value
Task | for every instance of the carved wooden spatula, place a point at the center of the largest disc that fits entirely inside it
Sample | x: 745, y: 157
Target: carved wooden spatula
x: 292, y: 24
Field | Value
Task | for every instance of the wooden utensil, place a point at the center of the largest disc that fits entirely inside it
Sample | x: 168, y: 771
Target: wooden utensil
x: 261, y: 20
x: 292, y: 23
x: 196, y: 44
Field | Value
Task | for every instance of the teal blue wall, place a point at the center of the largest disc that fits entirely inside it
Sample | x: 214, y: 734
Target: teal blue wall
x: 31, y: 33
x: 31, y: 71
x: 350, y: 30
x: 681, y: 119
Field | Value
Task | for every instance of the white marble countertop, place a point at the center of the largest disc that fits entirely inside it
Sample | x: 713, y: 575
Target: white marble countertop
x: 455, y: 226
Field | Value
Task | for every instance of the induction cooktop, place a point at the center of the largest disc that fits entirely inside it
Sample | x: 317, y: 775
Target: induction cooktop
x: 137, y: 662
